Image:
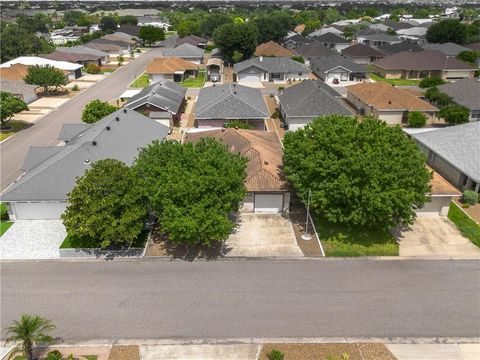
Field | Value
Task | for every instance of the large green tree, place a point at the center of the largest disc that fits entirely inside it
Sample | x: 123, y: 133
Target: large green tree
x: 9, y: 106
x: 151, y: 34
x: 274, y: 27
x: 360, y: 173
x: 45, y: 76
x: 449, y: 30
x: 128, y: 20
x: 96, y: 110
x: 106, y: 205
x: 213, y: 21
x: 108, y: 24
x: 189, y: 27
x: 192, y: 189
x: 231, y: 38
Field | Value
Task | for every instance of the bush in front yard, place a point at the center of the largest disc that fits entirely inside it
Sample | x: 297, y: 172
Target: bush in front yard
x: 92, y: 69
x: 54, y: 355
x: 431, y: 81
x: 275, y: 355
x: 470, y: 197
x: 417, y: 119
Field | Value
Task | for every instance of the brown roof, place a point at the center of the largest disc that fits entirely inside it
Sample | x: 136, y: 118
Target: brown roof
x: 263, y: 151
x: 383, y: 96
x: 14, y: 72
x: 113, y: 37
x: 440, y: 186
x: 103, y: 47
x: 169, y: 65
x: 299, y: 28
x: 271, y: 48
x: 70, y: 57
x: 474, y: 46
x: 421, y: 60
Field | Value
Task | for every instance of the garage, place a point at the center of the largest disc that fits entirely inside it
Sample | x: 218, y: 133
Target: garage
x: 249, y: 78
x: 268, y: 203
x: 37, y: 210
x: 438, y: 206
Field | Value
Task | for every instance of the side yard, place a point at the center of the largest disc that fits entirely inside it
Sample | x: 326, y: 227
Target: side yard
x: 469, y: 228
x: 140, y: 82
x: 4, y: 223
x: 397, y: 82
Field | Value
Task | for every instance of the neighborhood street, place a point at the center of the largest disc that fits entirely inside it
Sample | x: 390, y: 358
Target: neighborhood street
x: 46, y: 130
x: 152, y: 299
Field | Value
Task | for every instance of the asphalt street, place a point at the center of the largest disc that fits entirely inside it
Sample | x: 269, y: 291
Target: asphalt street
x: 153, y: 299
x: 45, y: 131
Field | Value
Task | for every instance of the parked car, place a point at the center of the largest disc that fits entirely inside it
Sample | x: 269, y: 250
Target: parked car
x: 336, y: 81
x: 214, y: 77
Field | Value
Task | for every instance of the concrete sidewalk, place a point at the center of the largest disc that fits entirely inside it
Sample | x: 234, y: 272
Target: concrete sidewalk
x: 200, y: 352
x: 435, y: 351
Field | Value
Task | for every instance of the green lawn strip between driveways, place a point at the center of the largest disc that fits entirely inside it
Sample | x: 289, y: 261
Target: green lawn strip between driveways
x: 74, y: 242
x: 140, y: 82
x: 196, y: 82
x: 349, y: 241
x: 16, y: 127
x: 398, y: 82
x: 469, y: 228
x: 4, y: 225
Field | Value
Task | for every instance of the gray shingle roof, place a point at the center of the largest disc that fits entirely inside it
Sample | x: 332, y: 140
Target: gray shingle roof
x: 331, y: 38
x: 311, y: 98
x: 69, y: 131
x: 272, y: 65
x: 39, y: 154
x: 449, y: 48
x: 321, y: 65
x: 400, y: 47
x: 230, y: 101
x: 16, y: 86
x: 163, y: 94
x: 82, y: 50
x: 382, y: 37
x: 464, y: 92
x: 313, y: 50
x: 185, y: 51
x: 459, y: 145
x: 54, y: 178
x: 361, y: 50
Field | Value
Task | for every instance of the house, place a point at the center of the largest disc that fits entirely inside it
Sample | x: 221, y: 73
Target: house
x: 337, y: 67
x: 419, y: 65
x: 52, y: 171
x: 187, y: 52
x: 333, y: 41
x: 170, y: 68
x: 466, y: 93
x: 218, y: 104
x: 19, y: 89
x: 269, y: 69
x: 293, y: 41
x: 102, y: 56
x: 14, y: 72
x: 400, y: 47
x: 83, y: 59
x: 192, y: 40
x: 396, y: 25
x: 449, y: 48
x: 313, y: 50
x: 153, y: 21
x: 377, y: 40
x: 271, y: 48
x: 301, y: 103
x: 214, y: 69
x: 362, y: 54
x: 334, y: 29
x: 267, y: 189
x: 121, y: 36
x: 71, y: 70
x: 453, y: 152
x: 130, y: 29
x: 414, y: 32
x: 387, y: 102
x: 165, y: 99
x: 113, y: 50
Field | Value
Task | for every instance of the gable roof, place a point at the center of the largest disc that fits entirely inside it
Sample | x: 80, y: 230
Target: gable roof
x: 299, y: 39
x: 121, y: 44
x: 70, y: 57
x: 192, y: 40
x: 324, y: 64
x: 130, y: 29
x: 311, y: 98
x: 82, y: 50
x: 389, y: 49
x: 382, y: 37
x: 35, y: 60
x: 313, y: 50
x: 186, y: 51
x: 14, y: 72
x: 55, y: 176
x: 262, y: 150
x: 458, y: 145
x: 169, y: 65
x: 383, y: 96
x: 397, y: 25
x: 163, y: 94
x: 104, y: 46
x: 465, y: 92
x: 272, y: 64
x: 271, y: 48
x: 422, y: 60
x: 230, y: 101
x: 449, y: 48
x: 331, y: 38
x: 16, y: 86
x: 121, y: 37
x: 361, y: 50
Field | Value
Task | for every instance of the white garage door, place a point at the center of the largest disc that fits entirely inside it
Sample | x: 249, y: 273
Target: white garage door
x: 437, y: 206
x: 249, y: 78
x: 272, y: 203
x: 38, y: 211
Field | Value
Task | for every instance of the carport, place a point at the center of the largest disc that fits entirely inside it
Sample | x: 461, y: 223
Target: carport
x: 214, y: 66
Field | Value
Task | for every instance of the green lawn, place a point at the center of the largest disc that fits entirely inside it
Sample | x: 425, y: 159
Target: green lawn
x: 16, y: 127
x: 4, y: 225
x: 469, y: 228
x: 343, y: 241
x: 72, y: 242
x: 398, y: 82
x: 140, y: 82
x: 195, y: 82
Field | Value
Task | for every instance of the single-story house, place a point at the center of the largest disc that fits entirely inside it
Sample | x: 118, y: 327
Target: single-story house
x: 52, y: 171
x: 362, y: 54
x: 293, y: 41
x: 218, y: 104
x: 161, y: 97
x: 415, y: 32
x: 301, y: 103
x: 313, y: 50
x: 387, y: 102
x: 267, y: 190
x: 72, y: 70
x: 448, y: 48
x: 130, y: 29
x: 337, y: 67
x: 19, y: 89
x: 400, y: 47
x: 465, y: 92
x: 397, y: 25
x: 192, y: 40
x: 419, y: 65
x: 112, y: 50
x: 270, y: 69
x: 170, y: 68
x: 130, y: 40
x: 454, y: 152
x: 78, y: 58
x: 14, y: 72
x: 377, y: 40
x: 102, y: 56
x: 333, y: 41
x: 272, y: 49
x: 334, y: 29
x: 62, y: 39
x: 214, y: 66
x: 441, y: 195
x: 187, y: 52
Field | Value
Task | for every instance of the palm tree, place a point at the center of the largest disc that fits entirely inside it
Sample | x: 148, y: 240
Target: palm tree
x: 29, y: 331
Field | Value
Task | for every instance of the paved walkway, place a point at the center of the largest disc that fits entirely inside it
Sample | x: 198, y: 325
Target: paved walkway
x: 200, y: 352
x: 32, y: 239
x: 435, y: 351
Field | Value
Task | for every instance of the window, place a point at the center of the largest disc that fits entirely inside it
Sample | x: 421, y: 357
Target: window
x: 300, y: 74
x: 275, y: 75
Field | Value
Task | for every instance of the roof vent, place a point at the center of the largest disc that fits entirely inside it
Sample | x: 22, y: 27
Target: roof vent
x: 265, y: 162
x: 235, y: 92
x: 125, y: 110
x: 94, y: 142
x: 108, y: 128
x: 117, y: 118
x: 87, y: 161
x: 390, y: 102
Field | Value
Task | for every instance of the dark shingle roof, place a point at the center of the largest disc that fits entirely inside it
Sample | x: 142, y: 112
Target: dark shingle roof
x: 272, y: 64
x: 361, y: 50
x: 299, y: 39
x: 321, y: 65
x: 464, y: 92
x: 331, y: 38
x: 396, y: 25
x: 396, y: 48
x: 423, y: 60
x: 192, y: 40
x: 313, y: 50
x: 163, y: 94
x: 230, y: 101
x: 185, y: 51
x: 449, y: 48
x: 382, y: 37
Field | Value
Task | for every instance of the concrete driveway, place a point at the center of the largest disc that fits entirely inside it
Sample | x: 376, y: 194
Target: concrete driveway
x: 32, y: 239
x: 436, y: 236
x: 263, y: 235
x: 200, y: 352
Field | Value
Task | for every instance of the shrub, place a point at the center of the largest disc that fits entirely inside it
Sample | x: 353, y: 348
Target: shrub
x: 438, y: 98
x: 92, y: 69
x: 4, y: 213
x: 280, y: 88
x: 275, y: 114
x: 120, y: 60
x: 417, y: 119
x: 465, y: 206
x: 54, y: 355
x: 75, y: 87
x: 454, y: 114
x: 237, y: 124
x: 138, y: 51
x: 275, y: 355
x: 298, y: 58
x: 431, y: 81
x: 470, y: 197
